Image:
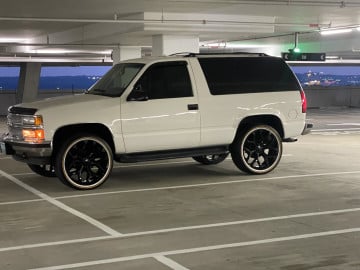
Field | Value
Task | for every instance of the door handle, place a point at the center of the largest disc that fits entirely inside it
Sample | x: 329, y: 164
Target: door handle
x: 193, y: 107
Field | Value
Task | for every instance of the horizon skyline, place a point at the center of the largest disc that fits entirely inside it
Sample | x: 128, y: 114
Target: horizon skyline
x: 53, y: 71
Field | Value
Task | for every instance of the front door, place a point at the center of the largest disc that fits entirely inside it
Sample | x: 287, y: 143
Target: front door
x: 167, y: 116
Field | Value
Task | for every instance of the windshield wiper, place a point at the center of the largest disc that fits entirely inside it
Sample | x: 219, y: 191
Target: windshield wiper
x: 96, y: 91
x: 101, y: 92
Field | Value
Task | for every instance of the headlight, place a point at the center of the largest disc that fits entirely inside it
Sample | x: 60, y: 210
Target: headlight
x: 32, y: 120
x: 26, y: 128
x: 33, y: 135
x: 33, y: 131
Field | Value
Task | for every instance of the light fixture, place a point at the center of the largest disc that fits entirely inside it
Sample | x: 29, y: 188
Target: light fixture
x: 332, y: 57
x: 68, y: 51
x: 296, y: 48
x: 335, y: 31
x: 232, y: 45
x: 12, y: 40
x: 52, y: 51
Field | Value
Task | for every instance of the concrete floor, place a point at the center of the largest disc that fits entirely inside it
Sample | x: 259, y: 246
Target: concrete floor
x: 180, y: 215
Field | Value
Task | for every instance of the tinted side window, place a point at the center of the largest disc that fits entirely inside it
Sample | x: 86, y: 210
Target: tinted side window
x: 167, y: 80
x: 247, y: 75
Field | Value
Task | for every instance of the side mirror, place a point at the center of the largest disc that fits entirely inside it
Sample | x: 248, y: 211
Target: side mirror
x: 138, y: 94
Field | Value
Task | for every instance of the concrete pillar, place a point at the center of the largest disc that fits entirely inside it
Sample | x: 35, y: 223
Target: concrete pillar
x: 28, y: 82
x: 169, y: 44
x: 123, y: 53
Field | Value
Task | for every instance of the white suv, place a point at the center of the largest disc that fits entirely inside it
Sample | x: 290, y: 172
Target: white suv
x: 200, y: 106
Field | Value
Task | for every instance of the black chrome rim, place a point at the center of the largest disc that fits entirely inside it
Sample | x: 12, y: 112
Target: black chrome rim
x: 261, y: 149
x: 86, y: 162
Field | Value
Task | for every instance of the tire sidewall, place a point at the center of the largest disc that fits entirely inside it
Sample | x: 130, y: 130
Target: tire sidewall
x: 62, y: 155
x: 238, y: 150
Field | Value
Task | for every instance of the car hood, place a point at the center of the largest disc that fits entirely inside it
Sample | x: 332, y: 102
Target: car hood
x: 64, y: 101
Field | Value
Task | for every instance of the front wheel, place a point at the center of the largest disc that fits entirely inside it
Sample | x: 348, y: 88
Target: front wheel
x: 211, y: 159
x: 43, y: 170
x: 257, y: 150
x: 84, y: 162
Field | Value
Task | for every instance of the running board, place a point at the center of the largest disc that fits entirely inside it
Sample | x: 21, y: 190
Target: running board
x: 171, y: 154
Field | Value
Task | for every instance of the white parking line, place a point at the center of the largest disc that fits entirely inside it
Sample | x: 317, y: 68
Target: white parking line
x: 146, y: 165
x: 184, y: 186
x: 23, y: 201
x: 239, y: 222
x: 204, y: 226
x: 334, y: 129
x: 206, y: 184
x: 171, y: 263
x: 61, y: 205
x: 22, y: 174
x: 200, y: 249
x: 344, y: 124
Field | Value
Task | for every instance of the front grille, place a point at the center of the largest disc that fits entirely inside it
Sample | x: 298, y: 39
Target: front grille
x: 15, y: 126
x: 14, y: 120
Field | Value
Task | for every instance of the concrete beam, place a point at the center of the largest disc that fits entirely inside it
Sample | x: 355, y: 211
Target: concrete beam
x: 170, y: 44
x: 28, y: 82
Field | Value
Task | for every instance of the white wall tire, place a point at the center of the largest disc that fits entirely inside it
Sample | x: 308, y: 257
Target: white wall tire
x: 84, y: 162
x: 257, y: 150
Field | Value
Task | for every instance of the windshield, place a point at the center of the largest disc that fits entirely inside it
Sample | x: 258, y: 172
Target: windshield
x: 116, y: 80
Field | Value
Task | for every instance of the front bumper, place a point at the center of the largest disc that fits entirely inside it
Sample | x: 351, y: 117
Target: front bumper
x: 27, y: 152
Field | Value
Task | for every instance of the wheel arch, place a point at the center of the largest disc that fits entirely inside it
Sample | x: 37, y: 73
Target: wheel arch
x: 96, y: 129
x: 266, y: 119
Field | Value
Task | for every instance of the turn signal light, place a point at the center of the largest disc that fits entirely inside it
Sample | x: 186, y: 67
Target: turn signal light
x: 38, y: 120
x: 33, y: 135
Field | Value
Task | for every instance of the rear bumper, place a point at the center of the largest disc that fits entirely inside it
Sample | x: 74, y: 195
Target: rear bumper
x: 307, y: 128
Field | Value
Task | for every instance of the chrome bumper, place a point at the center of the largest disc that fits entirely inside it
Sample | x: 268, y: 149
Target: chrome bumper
x: 26, y: 152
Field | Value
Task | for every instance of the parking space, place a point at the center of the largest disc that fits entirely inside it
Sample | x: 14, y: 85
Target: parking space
x: 180, y: 215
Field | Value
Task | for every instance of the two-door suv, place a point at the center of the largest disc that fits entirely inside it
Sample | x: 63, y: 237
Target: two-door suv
x: 194, y: 105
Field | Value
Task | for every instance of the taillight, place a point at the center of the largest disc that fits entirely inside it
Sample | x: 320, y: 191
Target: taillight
x: 303, y: 101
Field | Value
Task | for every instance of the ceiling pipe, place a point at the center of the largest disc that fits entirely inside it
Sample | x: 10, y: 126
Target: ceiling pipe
x: 340, y: 4
x: 296, y: 40
x: 164, y: 22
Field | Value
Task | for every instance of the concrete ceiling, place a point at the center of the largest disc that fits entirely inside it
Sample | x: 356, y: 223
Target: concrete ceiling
x: 90, y: 29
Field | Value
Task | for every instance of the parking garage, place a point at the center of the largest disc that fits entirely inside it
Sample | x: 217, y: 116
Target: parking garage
x: 179, y: 214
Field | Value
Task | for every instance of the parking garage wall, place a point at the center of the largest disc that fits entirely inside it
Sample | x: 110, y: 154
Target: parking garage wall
x: 333, y: 97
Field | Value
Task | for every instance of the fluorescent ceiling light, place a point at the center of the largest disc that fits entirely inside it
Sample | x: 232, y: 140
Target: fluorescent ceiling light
x: 358, y: 28
x: 65, y: 51
x: 52, y: 51
x: 12, y: 40
x: 335, y: 31
x: 232, y: 45
x: 332, y: 57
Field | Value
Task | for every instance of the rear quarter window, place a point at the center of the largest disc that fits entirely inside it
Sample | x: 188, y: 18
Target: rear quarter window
x: 239, y: 75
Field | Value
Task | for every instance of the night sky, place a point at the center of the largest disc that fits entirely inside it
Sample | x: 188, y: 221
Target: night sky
x: 331, y: 70
x: 59, y: 71
x: 101, y: 70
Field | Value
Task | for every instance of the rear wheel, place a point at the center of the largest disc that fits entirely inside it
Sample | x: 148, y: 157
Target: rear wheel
x: 211, y: 159
x: 257, y: 150
x: 43, y: 170
x: 84, y: 162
